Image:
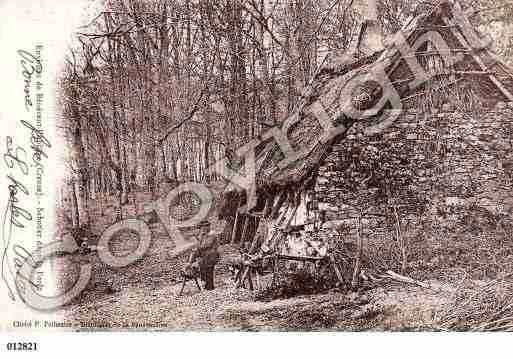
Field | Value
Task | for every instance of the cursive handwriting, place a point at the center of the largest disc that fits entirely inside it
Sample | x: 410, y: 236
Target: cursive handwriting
x: 38, y: 140
x: 17, y: 217
x: 13, y: 156
x: 30, y: 65
x: 24, y: 258
x: 19, y: 161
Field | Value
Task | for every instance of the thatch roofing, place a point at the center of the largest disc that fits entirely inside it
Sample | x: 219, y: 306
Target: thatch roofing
x: 480, y: 67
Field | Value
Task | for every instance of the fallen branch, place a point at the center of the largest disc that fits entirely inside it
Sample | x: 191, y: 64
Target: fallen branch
x: 401, y: 278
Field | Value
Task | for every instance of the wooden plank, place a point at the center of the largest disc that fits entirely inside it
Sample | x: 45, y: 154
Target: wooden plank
x: 197, y: 284
x: 247, y: 219
x: 339, y: 275
x: 404, y: 279
x: 243, y: 276
x: 494, y: 79
x: 278, y: 204
x: 235, y: 226
x: 299, y: 258
x: 272, y: 234
x: 252, y: 248
x: 480, y: 62
x: 183, y: 286
x: 274, y: 228
x: 276, y: 225
x: 296, y: 201
x: 268, y: 206
x: 287, y: 220
x: 357, y: 266
x: 234, y: 229
x: 276, y: 263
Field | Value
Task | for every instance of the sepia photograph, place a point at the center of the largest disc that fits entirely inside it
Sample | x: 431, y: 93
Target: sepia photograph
x: 263, y: 166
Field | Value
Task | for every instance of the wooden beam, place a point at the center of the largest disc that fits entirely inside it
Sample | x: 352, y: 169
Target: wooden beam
x: 246, y: 270
x: 242, y: 277
x: 247, y: 218
x: 357, y: 266
x: 255, y: 237
x: 275, y: 228
x: 494, y: 79
x: 278, y: 204
x: 234, y: 230
x: 268, y: 206
x: 336, y: 269
x: 447, y: 73
x: 288, y: 219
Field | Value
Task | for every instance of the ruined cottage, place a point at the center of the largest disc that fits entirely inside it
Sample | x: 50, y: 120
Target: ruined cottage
x: 455, y: 98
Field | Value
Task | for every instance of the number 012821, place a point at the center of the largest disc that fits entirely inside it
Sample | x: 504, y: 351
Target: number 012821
x: 18, y: 346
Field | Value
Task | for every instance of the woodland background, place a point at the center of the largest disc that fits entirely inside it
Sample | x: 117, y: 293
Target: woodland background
x: 155, y: 91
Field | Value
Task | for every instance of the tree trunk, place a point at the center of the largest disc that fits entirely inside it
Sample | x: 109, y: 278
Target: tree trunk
x: 75, y: 213
x: 81, y: 173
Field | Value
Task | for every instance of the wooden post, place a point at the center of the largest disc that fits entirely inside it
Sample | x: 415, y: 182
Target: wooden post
x: 254, y: 241
x: 234, y: 230
x: 270, y: 238
x: 336, y: 269
x: 356, y: 272
x: 242, y: 278
x: 75, y: 213
x: 400, y: 241
x: 288, y: 220
x: 252, y: 248
x: 276, y: 264
x: 268, y: 207
x: 279, y: 202
x: 247, y: 218
x: 297, y: 202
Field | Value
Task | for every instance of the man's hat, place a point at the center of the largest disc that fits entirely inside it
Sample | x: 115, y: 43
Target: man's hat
x: 204, y: 223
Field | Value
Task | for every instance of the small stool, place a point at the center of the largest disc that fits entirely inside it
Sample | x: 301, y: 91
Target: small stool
x: 187, y: 277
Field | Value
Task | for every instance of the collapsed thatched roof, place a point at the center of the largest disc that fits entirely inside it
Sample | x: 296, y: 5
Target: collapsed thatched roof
x: 479, y: 68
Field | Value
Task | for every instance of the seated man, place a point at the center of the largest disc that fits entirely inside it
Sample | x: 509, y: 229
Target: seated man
x: 206, y: 255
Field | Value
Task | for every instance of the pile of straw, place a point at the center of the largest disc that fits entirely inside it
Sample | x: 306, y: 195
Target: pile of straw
x: 485, y: 308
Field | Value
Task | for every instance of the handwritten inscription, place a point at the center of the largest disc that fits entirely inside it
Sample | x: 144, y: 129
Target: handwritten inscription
x: 15, y: 215
x: 31, y: 65
x: 15, y: 156
x: 19, y: 215
x: 22, y: 161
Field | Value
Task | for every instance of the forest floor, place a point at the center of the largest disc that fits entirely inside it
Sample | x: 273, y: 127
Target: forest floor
x: 145, y: 296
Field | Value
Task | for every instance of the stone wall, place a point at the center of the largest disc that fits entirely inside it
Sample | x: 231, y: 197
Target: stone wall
x: 463, y: 162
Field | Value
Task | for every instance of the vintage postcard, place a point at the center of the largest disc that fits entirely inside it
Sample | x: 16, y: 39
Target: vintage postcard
x: 269, y: 166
